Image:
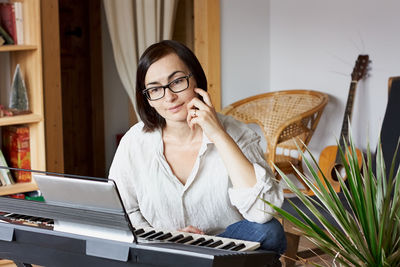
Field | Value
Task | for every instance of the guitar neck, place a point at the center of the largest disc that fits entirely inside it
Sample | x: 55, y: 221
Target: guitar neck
x: 344, y: 133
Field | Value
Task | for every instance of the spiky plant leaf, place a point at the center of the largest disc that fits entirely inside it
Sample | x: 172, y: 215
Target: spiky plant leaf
x: 369, y: 233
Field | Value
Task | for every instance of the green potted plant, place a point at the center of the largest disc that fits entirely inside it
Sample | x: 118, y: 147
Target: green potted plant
x: 369, y: 228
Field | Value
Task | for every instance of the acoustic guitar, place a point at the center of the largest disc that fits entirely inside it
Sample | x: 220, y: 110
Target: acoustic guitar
x: 330, y: 159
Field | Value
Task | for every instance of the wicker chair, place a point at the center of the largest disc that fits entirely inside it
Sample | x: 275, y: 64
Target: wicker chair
x: 285, y: 117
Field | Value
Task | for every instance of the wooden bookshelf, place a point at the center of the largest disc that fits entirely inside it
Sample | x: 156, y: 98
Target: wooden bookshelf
x: 29, y: 57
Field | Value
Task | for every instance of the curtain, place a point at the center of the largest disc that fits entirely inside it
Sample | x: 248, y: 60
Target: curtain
x: 133, y: 26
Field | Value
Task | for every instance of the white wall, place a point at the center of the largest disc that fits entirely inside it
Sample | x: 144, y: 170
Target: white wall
x: 245, y: 47
x: 313, y: 44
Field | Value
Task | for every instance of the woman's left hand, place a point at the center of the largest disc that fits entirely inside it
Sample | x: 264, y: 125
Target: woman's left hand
x: 203, y: 114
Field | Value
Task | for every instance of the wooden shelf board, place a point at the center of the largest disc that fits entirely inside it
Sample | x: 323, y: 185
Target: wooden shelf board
x: 10, y: 48
x: 7, y: 263
x: 20, y: 119
x: 17, y: 188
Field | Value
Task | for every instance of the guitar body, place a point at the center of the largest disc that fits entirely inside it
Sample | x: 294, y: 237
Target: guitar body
x: 327, y: 163
x: 329, y: 160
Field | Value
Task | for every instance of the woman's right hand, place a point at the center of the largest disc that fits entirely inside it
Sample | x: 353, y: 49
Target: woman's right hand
x: 192, y: 229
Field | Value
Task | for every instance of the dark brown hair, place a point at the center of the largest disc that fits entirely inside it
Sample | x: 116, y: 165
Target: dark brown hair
x: 151, y: 119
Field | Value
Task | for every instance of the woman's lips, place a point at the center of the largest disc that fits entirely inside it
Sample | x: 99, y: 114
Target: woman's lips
x: 175, y: 108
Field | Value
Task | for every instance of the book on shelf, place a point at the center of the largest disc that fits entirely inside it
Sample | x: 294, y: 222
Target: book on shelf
x: 2, y: 41
x: 11, y: 19
x: 16, y: 147
x: 19, y: 22
x: 5, y: 174
x: 7, y: 19
x: 6, y: 36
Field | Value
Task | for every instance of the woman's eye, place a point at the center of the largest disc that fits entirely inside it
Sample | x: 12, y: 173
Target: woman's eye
x: 177, y: 81
x: 155, y: 90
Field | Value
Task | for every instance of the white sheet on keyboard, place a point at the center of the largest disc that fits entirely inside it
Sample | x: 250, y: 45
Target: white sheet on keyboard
x: 93, y: 231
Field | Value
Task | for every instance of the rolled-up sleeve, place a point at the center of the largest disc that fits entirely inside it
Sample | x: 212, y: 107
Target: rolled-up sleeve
x: 249, y: 200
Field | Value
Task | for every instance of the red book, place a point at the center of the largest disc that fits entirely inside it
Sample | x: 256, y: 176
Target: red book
x: 16, y: 148
x: 7, y: 20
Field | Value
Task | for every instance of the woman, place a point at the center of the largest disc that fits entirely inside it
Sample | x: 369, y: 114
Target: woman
x: 186, y: 167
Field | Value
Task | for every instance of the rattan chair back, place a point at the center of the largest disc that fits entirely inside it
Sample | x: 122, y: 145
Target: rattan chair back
x: 286, y: 118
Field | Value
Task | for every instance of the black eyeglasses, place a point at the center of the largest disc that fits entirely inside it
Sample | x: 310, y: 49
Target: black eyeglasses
x: 178, y: 85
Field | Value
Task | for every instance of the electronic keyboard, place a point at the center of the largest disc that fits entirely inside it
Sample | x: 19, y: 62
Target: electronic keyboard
x: 25, y: 244
x: 89, y: 226
x: 149, y: 234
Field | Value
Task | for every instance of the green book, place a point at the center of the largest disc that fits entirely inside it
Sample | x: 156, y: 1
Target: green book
x: 5, y: 173
x: 6, y: 36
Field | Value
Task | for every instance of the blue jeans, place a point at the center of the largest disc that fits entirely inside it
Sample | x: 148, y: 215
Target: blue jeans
x: 270, y: 234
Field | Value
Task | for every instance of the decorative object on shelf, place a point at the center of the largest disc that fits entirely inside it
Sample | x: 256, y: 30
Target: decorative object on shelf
x: 16, y: 146
x: 5, y: 112
x: 362, y: 228
x: 19, y: 102
x: 2, y: 41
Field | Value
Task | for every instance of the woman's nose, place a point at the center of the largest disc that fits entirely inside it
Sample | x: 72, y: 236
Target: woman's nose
x: 169, y: 95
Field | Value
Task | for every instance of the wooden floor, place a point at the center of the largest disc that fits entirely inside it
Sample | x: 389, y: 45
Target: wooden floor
x: 306, y: 245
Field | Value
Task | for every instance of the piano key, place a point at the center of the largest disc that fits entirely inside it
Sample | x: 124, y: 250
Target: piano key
x: 238, y: 247
x: 176, y: 238
x: 35, y: 219
x: 164, y: 236
x: 184, y: 240
x: 146, y: 234
x: 197, y: 241
x: 154, y: 235
x: 207, y: 242
x: 139, y: 231
x: 229, y: 245
x: 215, y: 244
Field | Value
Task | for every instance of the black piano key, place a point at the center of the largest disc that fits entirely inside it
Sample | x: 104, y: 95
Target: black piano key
x: 40, y: 219
x: 238, y: 247
x: 207, y: 242
x: 176, y: 238
x: 184, y: 240
x: 197, y: 241
x: 49, y: 221
x: 139, y: 231
x: 147, y: 234
x: 164, y: 236
x: 215, y: 244
x: 229, y: 245
x: 25, y: 217
x: 154, y: 235
x: 35, y: 219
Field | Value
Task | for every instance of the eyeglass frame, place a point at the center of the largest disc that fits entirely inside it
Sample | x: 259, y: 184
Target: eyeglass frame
x: 167, y: 86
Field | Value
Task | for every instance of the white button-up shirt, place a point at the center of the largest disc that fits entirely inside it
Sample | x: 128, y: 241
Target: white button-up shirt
x: 153, y: 195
